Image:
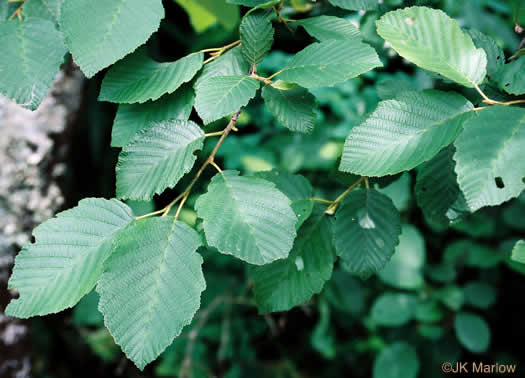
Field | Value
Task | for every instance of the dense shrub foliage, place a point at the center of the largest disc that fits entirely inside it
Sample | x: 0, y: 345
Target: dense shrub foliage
x: 361, y: 161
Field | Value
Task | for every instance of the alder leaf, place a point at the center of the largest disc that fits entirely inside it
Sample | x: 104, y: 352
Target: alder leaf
x: 355, y: 4
x: 404, y: 132
x: 294, y: 108
x: 157, y: 158
x: 151, y: 286
x: 247, y: 217
x: 366, y: 231
x: 329, y: 27
x: 66, y: 260
x: 495, y: 54
x: 46, y: 9
x: 511, y: 77
x: 222, y: 95
x: 138, y: 78
x: 231, y: 63
x: 330, y: 62
x: 297, y: 188
x: 32, y: 52
x: 256, y: 32
x: 489, y: 156
x: 98, y: 33
x: 437, y: 190
x: 283, y: 284
x: 131, y: 118
x: 435, y: 42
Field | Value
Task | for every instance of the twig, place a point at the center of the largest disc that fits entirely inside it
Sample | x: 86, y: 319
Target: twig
x: 331, y: 209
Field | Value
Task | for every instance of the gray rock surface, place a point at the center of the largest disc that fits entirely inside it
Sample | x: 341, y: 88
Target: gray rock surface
x: 31, y: 162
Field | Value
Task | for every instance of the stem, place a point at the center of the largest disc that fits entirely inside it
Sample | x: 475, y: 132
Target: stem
x: 321, y: 200
x: 274, y: 75
x: 260, y: 78
x: 489, y: 101
x: 367, y: 184
x: 186, y: 195
x: 216, y: 167
x: 333, y: 207
x: 485, y: 98
x: 217, y: 133
x: 218, y: 51
x: 17, y: 13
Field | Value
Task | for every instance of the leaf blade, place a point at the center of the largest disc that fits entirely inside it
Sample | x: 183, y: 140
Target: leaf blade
x: 366, y: 232
x: 257, y: 232
x: 156, y: 294
x: 138, y: 78
x: 330, y: 62
x: 223, y: 95
x: 157, y: 158
x: 110, y: 32
x: 32, y: 52
x: 283, y: 284
x: 65, y: 262
x: 403, y: 133
x: 432, y: 40
x: 488, y: 156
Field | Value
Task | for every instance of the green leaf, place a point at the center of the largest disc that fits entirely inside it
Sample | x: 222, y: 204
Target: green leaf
x: 256, y: 32
x: 132, y: 118
x: 293, y: 108
x: 403, y: 133
x: 297, y: 188
x: 32, y: 52
x: 355, y: 4
x: 329, y: 27
x: 231, y: 63
x: 66, y: 260
x: 157, y: 158
x: 437, y: 190
x: 247, y: 217
x: 151, y: 286
x: 405, y: 269
x: 102, y: 32
x: 283, y: 284
x: 330, y: 62
x: 222, y: 95
x: 518, y: 12
x: 206, y: 13
x: 367, y: 229
x: 393, y: 309
x: 510, y: 77
x: 489, y: 156
x: 479, y: 294
x: 472, y: 332
x: 495, y: 54
x: 518, y: 252
x: 397, y: 360
x: 435, y: 42
x: 46, y: 9
x: 138, y: 78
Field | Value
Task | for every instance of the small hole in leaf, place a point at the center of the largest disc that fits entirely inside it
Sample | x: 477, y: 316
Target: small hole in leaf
x: 497, y: 58
x: 523, y: 180
x: 507, y: 84
x: 499, y: 182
